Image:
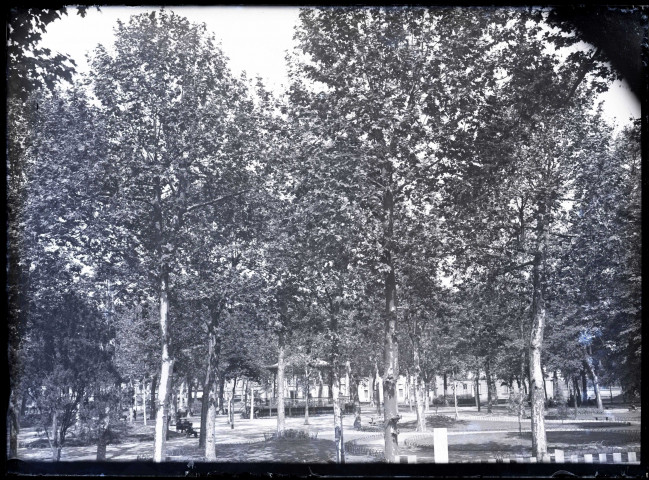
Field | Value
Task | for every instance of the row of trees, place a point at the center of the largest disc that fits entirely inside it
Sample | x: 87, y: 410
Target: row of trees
x: 436, y: 193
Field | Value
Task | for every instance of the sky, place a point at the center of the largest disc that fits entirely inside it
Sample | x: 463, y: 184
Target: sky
x: 255, y: 39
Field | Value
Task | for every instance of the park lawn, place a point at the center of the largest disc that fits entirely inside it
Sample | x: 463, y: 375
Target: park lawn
x: 479, y: 447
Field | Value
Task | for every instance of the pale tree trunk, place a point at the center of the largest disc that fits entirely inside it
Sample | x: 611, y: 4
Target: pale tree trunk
x: 590, y: 367
x: 133, y: 410
x: 166, y: 371
x: 477, y: 389
x: 209, y: 399
x: 348, y: 367
x: 338, y: 423
x: 306, y: 394
x: 252, y: 400
x: 377, y: 383
x: 210, y: 424
x: 408, y: 387
x: 280, y: 388
x: 320, y: 387
x: 539, y: 440
x: 391, y: 339
x: 371, y: 392
x: 208, y: 386
x: 144, y: 400
x: 427, y: 395
x: 521, y: 393
x: 419, y: 390
x: 356, y: 400
x: 457, y: 415
x: 55, y: 444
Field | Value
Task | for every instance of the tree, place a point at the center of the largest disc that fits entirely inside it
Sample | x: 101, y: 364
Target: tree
x: 175, y: 116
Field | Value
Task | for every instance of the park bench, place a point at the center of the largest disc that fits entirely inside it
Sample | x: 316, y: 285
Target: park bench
x: 190, y: 431
x: 183, y: 425
x: 372, y: 421
x: 606, y: 415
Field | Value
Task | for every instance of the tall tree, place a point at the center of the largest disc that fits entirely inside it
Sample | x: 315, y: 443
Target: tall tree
x: 174, y: 113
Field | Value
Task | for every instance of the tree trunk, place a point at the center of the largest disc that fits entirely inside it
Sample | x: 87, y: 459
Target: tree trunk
x: 166, y: 371
x: 104, y: 432
x: 14, y: 424
x: 408, y: 387
x: 371, y: 392
x: 539, y: 440
x: 221, y: 394
x: 487, y: 373
x: 280, y: 387
x: 575, y: 394
x: 208, y: 386
x: 584, y: 388
x: 445, y: 388
x: 231, y: 409
x: 154, y: 387
x: 55, y: 444
x: 545, y: 388
x: 377, y: 384
x: 457, y: 415
x: 357, y: 402
x: 338, y: 423
x: 208, y: 437
x: 419, y: 390
x: 427, y: 396
x: 391, y: 373
x: 144, y: 400
x: 252, y: 400
x: 133, y: 410
x: 190, y: 393
x: 320, y: 387
x: 589, y: 364
x: 477, y: 389
x: 306, y: 394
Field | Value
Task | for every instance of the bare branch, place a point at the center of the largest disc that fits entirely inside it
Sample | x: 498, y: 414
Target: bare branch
x: 216, y: 200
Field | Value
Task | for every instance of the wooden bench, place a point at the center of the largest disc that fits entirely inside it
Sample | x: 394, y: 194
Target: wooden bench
x: 190, y: 431
x: 183, y: 425
x: 605, y: 416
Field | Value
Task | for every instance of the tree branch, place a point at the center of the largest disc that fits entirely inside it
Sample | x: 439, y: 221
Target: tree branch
x: 214, y: 201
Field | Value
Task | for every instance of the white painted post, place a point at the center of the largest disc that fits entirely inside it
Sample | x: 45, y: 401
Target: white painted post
x: 617, y: 457
x: 632, y: 457
x: 440, y: 445
x: 602, y: 458
x: 412, y: 458
x: 588, y: 458
x: 558, y: 456
x: 533, y: 460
